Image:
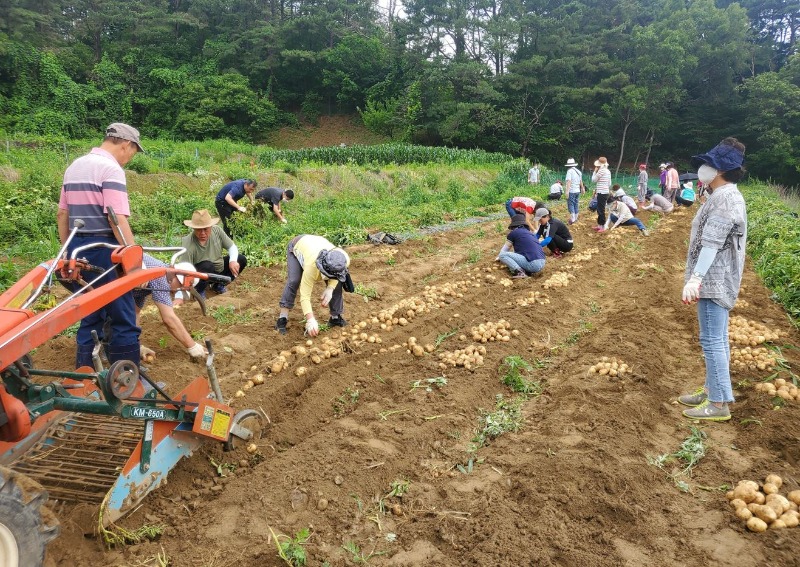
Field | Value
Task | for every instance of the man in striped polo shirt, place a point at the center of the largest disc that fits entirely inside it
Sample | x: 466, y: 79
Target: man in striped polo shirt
x: 92, y: 184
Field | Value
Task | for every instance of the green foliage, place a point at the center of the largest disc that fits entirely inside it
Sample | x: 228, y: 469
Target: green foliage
x: 514, y: 374
x: 773, y: 241
x: 399, y: 154
x: 312, y: 107
x: 507, y: 416
x: 292, y: 551
x: 182, y: 163
x: 383, y: 117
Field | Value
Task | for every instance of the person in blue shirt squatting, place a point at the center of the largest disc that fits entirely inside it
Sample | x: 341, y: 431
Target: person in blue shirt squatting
x: 686, y: 196
x: 227, y: 201
x: 528, y: 257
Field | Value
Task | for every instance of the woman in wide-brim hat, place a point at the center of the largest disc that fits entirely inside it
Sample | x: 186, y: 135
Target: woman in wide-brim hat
x: 714, y: 268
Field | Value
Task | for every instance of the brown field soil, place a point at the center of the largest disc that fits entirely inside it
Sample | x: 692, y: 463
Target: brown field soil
x: 330, y: 131
x: 572, y: 487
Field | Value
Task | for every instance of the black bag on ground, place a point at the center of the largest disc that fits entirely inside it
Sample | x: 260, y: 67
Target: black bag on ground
x: 383, y: 238
x: 348, y: 284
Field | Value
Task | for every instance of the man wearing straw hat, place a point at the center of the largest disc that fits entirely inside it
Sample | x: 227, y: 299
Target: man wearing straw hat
x: 204, y: 249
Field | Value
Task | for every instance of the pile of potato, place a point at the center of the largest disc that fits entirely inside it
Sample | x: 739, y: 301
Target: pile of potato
x: 764, y: 507
x: 781, y: 388
x: 505, y: 282
x: 750, y: 333
x: 583, y: 256
x: 491, y: 332
x: 400, y: 313
x: 445, y: 293
x: 750, y: 358
x: 741, y: 303
x: 416, y: 349
x: 559, y: 279
x: 533, y: 298
x: 468, y: 357
x: 610, y: 367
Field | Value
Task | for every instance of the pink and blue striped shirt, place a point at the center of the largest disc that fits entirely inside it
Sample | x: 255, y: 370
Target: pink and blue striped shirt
x: 92, y: 183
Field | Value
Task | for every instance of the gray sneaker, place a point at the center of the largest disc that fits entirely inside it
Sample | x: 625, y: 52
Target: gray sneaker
x: 708, y: 412
x: 694, y: 399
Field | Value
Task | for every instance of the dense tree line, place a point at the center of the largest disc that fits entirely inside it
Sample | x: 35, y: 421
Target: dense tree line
x: 636, y: 80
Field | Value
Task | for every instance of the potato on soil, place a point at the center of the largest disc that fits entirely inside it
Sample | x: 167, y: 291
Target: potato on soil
x: 790, y: 520
x: 774, y: 479
x: 738, y: 503
x: 744, y: 514
x: 794, y: 496
x: 766, y: 513
x: 777, y: 525
x: 756, y: 525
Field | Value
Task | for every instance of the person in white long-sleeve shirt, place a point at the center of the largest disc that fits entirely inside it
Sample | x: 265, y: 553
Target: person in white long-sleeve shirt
x: 620, y: 214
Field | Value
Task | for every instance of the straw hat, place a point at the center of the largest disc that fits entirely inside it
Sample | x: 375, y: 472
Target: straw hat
x: 201, y: 219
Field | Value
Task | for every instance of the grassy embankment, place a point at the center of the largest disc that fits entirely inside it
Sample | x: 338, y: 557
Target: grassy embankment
x: 342, y: 193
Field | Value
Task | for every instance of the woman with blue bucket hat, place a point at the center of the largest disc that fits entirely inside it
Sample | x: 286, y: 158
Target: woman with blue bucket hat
x: 714, y: 268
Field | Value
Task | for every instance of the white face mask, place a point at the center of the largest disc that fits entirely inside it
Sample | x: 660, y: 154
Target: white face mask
x: 706, y: 174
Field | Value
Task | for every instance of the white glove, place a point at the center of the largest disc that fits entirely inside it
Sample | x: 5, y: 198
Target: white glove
x: 197, y: 351
x: 146, y: 354
x: 691, y: 291
x: 284, y: 221
x: 242, y: 209
x: 312, y: 327
x: 326, y: 296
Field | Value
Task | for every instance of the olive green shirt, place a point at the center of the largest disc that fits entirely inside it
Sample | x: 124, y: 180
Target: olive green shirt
x: 212, y: 251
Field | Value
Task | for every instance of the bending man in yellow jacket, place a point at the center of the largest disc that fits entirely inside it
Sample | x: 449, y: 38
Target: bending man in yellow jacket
x: 310, y: 258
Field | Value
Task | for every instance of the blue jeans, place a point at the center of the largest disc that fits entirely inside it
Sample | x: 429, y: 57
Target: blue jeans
x: 517, y: 262
x: 511, y: 212
x: 713, y: 320
x: 572, y: 202
x: 123, y: 344
x: 632, y: 222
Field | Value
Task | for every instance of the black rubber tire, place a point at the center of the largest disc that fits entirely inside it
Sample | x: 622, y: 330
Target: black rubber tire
x: 23, y: 515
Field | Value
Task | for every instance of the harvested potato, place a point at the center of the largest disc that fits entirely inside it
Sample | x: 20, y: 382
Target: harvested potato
x: 744, y: 514
x: 770, y: 488
x: 777, y: 525
x: 794, y: 496
x: 756, y: 525
x: 766, y: 513
x: 738, y: 503
x: 789, y: 520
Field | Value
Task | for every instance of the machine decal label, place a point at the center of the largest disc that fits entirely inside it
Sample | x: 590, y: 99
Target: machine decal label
x: 149, y: 413
x: 222, y: 420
